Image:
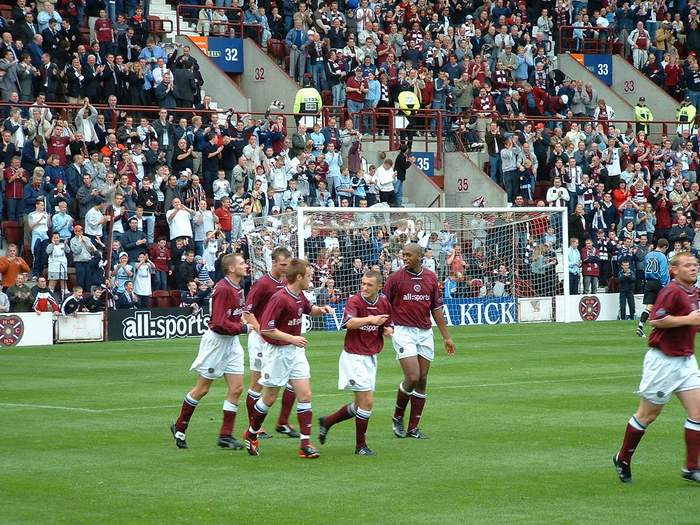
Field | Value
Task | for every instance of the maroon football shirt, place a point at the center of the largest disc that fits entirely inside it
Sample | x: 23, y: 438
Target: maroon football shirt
x: 284, y: 313
x: 675, y: 300
x: 413, y: 297
x: 261, y: 292
x: 227, y: 302
x: 369, y: 339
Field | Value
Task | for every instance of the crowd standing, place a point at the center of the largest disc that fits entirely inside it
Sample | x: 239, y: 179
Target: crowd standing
x: 175, y: 190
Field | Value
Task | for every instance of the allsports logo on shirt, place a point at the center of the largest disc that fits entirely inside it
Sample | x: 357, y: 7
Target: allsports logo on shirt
x: 415, y: 297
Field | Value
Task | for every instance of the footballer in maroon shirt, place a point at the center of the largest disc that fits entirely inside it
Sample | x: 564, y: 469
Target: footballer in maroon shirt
x: 284, y: 358
x: 258, y: 298
x: 367, y: 318
x: 220, y: 352
x: 414, y: 295
x: 670, y: 368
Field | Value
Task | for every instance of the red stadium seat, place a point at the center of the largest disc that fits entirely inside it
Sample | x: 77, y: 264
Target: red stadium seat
x: 175, y: 295
x: 13, y: 232
x: 162, y: 299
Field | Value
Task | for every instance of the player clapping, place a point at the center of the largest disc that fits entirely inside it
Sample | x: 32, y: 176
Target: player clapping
x: 367, y: 318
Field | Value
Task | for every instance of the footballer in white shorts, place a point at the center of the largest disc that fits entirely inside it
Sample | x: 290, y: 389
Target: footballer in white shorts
x: 357, y: 372
x: 664, y: 375
x: 281, y: 364
x: 410, y: 341
x: 218, y: 355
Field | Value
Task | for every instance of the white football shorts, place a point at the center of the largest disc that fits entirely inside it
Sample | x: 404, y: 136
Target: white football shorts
x: 256, y: 347
x: 664, y: 375
x: 410, y: 341
x: 280, y: 364
x: 357, y: 372
x: 218, y: 355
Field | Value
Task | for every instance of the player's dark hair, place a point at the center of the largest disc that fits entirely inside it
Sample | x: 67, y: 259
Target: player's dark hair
x: 662, y: 243
x: 296, y: 268
x: 281, y: 253
x: 374, y: 274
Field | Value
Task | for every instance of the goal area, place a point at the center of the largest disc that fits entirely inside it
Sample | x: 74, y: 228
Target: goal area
x: 494, y: 265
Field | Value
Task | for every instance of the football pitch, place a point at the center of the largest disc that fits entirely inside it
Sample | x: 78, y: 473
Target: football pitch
x: 523, y: 423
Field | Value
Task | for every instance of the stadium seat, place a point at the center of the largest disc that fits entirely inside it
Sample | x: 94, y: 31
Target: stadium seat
x: 277, y: 49
x: 27, y: 255
x: 162, y: 299
x: 175, y: 295
x: 85, y: 32
x: 12, y: 231
x: 156, y: 25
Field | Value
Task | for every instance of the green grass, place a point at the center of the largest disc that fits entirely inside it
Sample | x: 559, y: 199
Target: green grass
x: 523, y: 423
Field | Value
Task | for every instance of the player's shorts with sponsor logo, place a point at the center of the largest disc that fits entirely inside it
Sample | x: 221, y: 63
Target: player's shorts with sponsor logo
x: 256, y: 347
x: 665, y: 375
x: 281, y: 364
x: 410, y: 341
x: 218, y: 355
x: 652, y: 287
x: 357, y: 372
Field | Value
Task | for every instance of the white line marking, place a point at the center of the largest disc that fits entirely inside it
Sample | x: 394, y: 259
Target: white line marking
x: 51, y: 407
x: 335, y: 394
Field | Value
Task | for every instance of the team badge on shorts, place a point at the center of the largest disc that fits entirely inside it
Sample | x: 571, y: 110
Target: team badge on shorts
x: 11, y: 330
x: 416, y: 288
x: 589, y: 308
x: 211, y: 370
x: 660, y: 394
x: 267, y: 376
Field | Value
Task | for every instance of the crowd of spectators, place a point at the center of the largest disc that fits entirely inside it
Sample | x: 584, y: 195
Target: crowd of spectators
x: 175, y: 189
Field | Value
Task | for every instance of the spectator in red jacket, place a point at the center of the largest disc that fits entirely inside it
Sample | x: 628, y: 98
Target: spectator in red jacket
x: 159, y: 254
x: 16, y: 178
x: 590, y: 267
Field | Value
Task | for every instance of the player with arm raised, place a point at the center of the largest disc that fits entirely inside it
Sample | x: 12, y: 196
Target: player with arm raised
x: 656, y: 277
x: 220, y: 353
x: 259, y: 296
x: 670, y: 368
x: 414, y: 295
x: 284, y: 358
x: 367, y: 318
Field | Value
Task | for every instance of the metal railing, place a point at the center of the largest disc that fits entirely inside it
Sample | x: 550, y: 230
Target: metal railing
x: 587, y: 40
x: 233, y: 27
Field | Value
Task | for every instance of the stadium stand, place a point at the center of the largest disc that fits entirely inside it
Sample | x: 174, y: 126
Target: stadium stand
x: 109, y: 142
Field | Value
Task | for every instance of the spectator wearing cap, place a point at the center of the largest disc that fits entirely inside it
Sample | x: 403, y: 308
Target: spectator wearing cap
x: 83, y: 251
x: 134, y: 241
x: 122, y: 272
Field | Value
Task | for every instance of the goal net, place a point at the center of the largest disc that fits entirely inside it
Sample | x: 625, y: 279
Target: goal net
x: 495, y: 265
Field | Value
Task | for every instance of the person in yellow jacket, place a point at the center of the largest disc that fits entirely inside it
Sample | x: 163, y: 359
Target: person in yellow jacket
x: 685, y: 116
x: 408, y: 104
x: 642, y: 116
x: 307, y: 101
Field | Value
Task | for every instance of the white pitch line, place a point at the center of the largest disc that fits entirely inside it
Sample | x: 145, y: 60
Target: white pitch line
x: 340, y: 393
x: 50, y: 407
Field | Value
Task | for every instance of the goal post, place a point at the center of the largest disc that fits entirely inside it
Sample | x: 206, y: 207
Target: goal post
x: 495, y: 265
